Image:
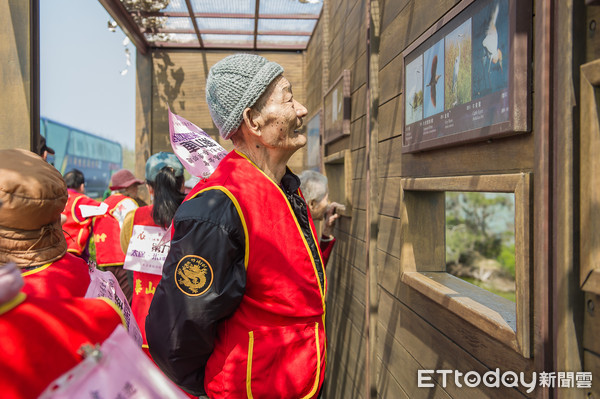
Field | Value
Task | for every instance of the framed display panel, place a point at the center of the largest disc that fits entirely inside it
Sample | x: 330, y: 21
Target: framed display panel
x: 590, y: 178
x: 336, y: 106
x: 313, y: 145
x: 423, y: 263
x: 338, y: 169
x: 468, y: 77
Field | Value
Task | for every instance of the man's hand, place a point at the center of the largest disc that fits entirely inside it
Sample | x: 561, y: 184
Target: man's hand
x: 331, y: 214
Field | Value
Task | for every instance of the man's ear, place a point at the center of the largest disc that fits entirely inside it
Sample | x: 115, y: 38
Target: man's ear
x: 252, y: 121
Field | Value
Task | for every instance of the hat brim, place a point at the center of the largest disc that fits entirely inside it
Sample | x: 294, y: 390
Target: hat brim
x: 126, y: 184
x: 50, y: 150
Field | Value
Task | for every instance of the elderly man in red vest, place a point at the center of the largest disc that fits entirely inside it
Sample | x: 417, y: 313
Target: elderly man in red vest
x: 240, y: 309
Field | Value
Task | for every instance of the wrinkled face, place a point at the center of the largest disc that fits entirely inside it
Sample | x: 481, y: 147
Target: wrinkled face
x: 281, y: 118
x: 317, y: 209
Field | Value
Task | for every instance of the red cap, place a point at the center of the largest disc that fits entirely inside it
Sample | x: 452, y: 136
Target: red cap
x: 123, y: 179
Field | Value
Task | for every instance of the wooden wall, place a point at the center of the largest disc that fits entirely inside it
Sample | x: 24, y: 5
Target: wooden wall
x: 413, y: 331
x: 19, y: 75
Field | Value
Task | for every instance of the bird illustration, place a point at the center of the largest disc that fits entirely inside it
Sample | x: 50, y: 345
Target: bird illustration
x: 456, y: 67
x: 490, y: 42
x: 434, y: 79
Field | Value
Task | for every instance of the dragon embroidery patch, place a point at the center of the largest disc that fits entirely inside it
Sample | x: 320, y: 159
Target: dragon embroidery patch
x: 193, y: 275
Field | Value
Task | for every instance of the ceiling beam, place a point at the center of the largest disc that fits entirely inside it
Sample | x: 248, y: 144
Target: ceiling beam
x: 256, y: 21
x: 238, y: 16
x: 118, y: 12
x: 191, y: 12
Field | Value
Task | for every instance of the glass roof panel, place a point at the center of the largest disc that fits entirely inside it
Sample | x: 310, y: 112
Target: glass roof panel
x: 286, y: 25
x: 173, y: 38
x: 178, y: 23
x: 223, y: 6
x: 229, y: 24
x: 279, y: 41
x: 288, y: 7
x: 230, y: 41
x: 175, y: 6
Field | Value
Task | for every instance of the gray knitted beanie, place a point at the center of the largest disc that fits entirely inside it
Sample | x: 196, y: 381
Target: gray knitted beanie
x: 234, y: 84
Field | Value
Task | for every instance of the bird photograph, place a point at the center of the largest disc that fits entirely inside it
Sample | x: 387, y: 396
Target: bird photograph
x: 434, y: 76
x: 458, y: 65
x: 490, y: 48
x: 414, y: 95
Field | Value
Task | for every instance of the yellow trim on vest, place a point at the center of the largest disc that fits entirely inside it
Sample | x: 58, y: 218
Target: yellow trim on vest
x: 119, y: 203
x: 145, y: 346
x: 73, y: 209
x: 109, y: 264
x: 318, y: 378
x: 117, y: 309
x: 249, y: 365
x: 39, y: 269
x: 239, y: 210
x: 13, y: 303
x: 312, y: 259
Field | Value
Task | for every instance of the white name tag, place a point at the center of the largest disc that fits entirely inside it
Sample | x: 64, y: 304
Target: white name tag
x: 147, y: 250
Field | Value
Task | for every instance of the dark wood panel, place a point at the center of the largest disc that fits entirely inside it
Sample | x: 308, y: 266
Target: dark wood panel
x: 591, y: 362
x: 358, y: 134
x: 505, y: 155
x: 359, y: 101
x: 591, y: 323
x: 431, y: 347
x: 358, y: 71
x: 359, y: 164
x: 354, y: 226
x: 412, y: 21
x: 391, y: 78
x: 390, y: 235
x: 487, y: 350
x: 359, y: 194
x: 387, y: 385
x: 391, y: 119
x: 390, y: 197
x: 390, y: 10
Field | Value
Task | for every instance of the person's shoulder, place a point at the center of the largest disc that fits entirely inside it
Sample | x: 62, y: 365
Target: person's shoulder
x: 211, y: 204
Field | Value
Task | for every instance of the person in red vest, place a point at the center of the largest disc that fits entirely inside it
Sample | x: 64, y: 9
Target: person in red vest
x: 314, y: 188
x: 33, y: 195
x: 164, y: 178
x: 240, y: 309
x: 107, y: 227
x: 78, y: 214
x: 42, y: 336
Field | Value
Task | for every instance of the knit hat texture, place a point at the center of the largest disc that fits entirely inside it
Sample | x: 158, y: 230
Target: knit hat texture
x: 157, y: 161
x: 234, y: 84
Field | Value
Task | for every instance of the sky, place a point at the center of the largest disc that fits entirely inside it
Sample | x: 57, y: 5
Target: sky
x: 80, y: 70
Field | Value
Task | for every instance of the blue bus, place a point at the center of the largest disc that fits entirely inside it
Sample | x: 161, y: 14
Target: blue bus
x: 98, y: 158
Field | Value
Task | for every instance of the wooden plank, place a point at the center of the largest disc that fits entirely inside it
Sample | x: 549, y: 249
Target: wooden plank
x: 591, y: 323
x: 591, y: 362
x: 359, y: 194
x: 354, y: 226
x: 423, y: 239
x: 390, y: 235
x: 358, y: 107
x: 392, y: 79
x: 359, y: 71
x: 390, y: 197
x: 359, y: 165
x: 507, y: 155
x: 390, y: 10
x: 358, y: 134
x: 411, y: 22
x: 402, y: 367
x: 391, y: 119
x: 480, y: 345
x: 432, y: 349
x: 387, y: 386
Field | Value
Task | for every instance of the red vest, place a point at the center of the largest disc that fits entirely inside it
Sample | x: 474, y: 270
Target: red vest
x: 41, y: 337
x: 274, y: 343
x: 107, y: 234
x: 144, y: 284
x: 65, y: 278
x: 76, y: 228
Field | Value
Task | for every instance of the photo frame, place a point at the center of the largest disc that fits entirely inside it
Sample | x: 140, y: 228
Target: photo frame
x: 336, y: 106
x: 468, y: 77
